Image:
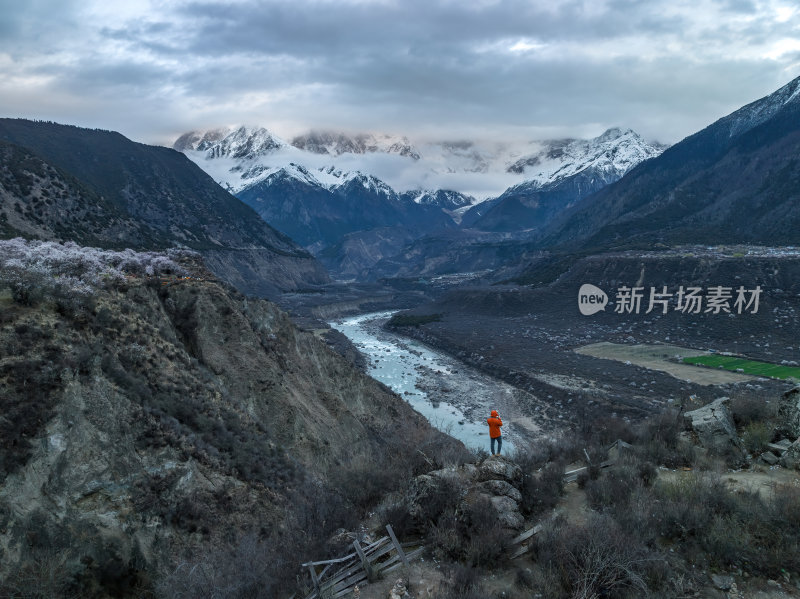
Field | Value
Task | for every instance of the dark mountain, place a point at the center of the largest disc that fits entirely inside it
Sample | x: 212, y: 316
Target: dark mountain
x: 38, y: 200
x: 564, y: 172
x: 140, y: 196
x: 320, y: 216
x: 450, y: 252
x: 531, y: 205
x: 736, y: 181
x: 356, y: 252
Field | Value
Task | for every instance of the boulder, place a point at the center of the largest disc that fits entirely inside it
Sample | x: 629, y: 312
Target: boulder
x: 500, y: 468
x: 789, y: 412
x: 779, y: 446
x: 722, y: 582
x: 399, y: 590
x: 770, y: 458
x: 508, y: 512
x: 713, y: 425
x: 500, y: 488
x: 791, y: 458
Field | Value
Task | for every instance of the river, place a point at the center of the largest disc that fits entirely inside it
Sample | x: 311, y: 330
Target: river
x: 454, y: 398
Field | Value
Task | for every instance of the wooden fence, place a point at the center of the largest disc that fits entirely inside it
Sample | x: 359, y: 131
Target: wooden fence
x: 339, y: 576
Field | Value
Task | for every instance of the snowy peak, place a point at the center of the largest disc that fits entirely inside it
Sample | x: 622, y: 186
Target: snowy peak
x: 239, y: 142
x: 758, y: 112
x: 336, y: 144
x: 443, y: 198
x: 292, y: 171
x: 240, y: 157
x: 330, y: 179
x: 611, y: 155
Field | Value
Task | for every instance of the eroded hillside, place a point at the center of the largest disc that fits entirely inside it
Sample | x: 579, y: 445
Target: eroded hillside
x: 148, y: 409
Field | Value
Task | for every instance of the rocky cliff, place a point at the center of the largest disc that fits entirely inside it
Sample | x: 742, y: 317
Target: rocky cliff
x: 148, y: 408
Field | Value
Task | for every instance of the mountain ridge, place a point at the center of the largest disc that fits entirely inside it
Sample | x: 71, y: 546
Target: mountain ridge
x: 171, y: 200
x: 733, y: 181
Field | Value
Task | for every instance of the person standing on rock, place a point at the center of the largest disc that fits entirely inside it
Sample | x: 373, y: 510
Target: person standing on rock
x: 494, y: 431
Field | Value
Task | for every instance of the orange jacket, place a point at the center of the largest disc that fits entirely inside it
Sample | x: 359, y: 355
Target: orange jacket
x: 494, y: 425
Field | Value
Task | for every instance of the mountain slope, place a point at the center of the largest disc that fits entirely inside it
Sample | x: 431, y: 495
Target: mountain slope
x: 317, y: 215
x: 170, y: 200
x: 563, y: 173
x: 148, y: 409
x: 738, y: 180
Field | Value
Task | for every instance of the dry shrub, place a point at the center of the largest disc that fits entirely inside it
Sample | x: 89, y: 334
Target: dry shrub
x: 597, y: 559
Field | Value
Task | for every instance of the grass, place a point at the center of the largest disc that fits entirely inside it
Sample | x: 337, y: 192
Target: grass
x: 747, y: 366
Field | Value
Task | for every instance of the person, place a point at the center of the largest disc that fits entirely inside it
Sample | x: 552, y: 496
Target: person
x: 494, y: 431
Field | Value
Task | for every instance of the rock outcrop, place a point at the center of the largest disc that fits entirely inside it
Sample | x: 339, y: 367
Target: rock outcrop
x: 158, y: 413
x: 713, y: 425
x: 789, y: 412
x: 791, y: 457
x: 497, y: 479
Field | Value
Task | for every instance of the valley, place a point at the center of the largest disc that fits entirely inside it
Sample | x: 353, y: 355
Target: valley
x: 247, y: 383
x: 454, y: 397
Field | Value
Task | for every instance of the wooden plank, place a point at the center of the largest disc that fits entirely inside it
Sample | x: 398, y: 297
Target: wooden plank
x: 373, y: 557
x: 314, y: 577
x: 410, y: 557
x: 521, y: 551
x: 346, y: 591
x: 342, y: 574
x: 338, y: 560
x: 349, y: 582
x: 526, y: 535
x: 396, y: 544
x: 364, y: 560
x: 377, y: 545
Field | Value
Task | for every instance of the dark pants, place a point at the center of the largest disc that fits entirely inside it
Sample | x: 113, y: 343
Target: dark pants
x: 499, y: 443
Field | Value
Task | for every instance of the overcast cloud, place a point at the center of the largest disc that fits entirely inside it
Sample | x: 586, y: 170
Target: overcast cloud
x: 513, y: 69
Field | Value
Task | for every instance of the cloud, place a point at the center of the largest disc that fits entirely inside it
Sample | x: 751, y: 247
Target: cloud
x: 436, y: 68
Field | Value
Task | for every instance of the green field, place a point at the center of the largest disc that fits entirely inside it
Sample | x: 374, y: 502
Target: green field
x: 748, y: 366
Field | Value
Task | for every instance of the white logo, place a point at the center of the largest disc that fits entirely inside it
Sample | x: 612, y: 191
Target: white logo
x: 591, y: 299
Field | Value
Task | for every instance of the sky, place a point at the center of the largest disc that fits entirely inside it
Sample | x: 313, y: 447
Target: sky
x: 429, y: 69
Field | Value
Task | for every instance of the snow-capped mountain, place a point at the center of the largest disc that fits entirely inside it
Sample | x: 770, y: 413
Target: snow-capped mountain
x: 612, y: 154
x: 760, y: 111
x: 239, y: 157
x: 733, y: 182
x: 558, y: 175
x: 356, y: 198
x: 336, y: 144
x: 240, y: 142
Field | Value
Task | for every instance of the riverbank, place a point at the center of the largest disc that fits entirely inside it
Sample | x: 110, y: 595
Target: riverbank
x: 455, y: 398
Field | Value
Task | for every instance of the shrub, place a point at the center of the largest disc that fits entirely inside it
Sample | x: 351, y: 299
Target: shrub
x: 250, y: 568
x: 756, y: 435
x: 462, y: 583
x: 540, y: 491
x: 595, y: 559
x: 748, y: 407
x: 471, y: 536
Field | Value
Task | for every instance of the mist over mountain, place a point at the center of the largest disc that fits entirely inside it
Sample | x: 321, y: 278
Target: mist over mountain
x: 324, y: 186
x: 562, y: 173
x: 237, y: 157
